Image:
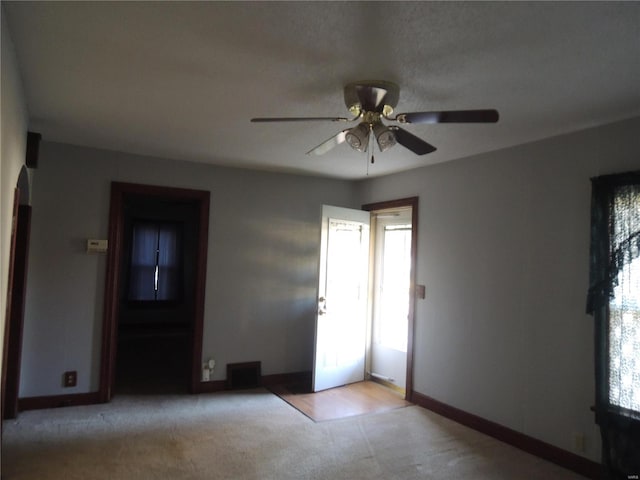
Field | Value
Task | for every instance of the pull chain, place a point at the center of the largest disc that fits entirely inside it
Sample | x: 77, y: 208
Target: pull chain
x: 371, y: 144
x: 371, y: 159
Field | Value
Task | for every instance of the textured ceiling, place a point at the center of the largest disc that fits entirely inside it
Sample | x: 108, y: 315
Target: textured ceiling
x: 181, y: 80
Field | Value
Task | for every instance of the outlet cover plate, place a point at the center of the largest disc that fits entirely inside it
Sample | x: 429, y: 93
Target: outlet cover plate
x: 70, y: 379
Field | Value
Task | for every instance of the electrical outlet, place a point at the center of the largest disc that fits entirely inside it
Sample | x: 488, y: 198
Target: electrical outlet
x: 206, y: 373
x: 70, y: 379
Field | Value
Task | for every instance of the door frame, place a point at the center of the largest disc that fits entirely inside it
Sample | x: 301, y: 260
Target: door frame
x: 119, y: 193
x: 15, y: 312
x: 16, y: 294
x: 403, y: 203
x: 10, y: 304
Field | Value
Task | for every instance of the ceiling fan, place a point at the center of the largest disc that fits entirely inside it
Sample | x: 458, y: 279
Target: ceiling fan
x: 370, y: 102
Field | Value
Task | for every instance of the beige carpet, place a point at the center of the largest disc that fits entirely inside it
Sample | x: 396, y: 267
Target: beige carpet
x: 251, y: 435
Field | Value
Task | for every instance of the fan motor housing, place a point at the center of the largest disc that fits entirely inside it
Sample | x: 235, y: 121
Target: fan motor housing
x: 371, y: 96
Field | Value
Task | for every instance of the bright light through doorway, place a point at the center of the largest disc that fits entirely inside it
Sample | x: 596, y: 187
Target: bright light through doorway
x: 391, y: 295
x: 393, y: 289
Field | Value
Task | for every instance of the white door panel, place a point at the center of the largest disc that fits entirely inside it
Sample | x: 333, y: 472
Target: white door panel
x: 341, y: 322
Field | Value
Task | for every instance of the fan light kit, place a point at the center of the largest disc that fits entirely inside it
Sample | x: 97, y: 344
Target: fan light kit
x: 370, y: 102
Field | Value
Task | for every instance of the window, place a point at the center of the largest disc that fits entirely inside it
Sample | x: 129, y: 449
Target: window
x: 624, y: 309
x: 155, y: 272
x: 614, y: 301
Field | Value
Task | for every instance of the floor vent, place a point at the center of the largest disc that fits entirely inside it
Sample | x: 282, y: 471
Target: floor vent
x: 243, y: 375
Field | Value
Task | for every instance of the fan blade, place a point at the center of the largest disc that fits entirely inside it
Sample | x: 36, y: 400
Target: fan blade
x: 413, y: 143
x: 327, y: 145
x: 299, y: 119
x: 451, y: 116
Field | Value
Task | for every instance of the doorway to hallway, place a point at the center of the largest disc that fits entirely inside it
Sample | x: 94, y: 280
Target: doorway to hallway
x: 390, y: 296
x: 365, y: 316
x: 394, y: 225
x: 154, y: 293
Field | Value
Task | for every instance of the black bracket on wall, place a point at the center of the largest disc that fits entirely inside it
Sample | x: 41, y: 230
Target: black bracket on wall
x: 33, y: 148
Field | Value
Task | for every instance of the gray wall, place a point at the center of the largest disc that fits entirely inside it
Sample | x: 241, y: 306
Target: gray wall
x: 503, y: 252
x: 13, y: 136
x: 261, y: 275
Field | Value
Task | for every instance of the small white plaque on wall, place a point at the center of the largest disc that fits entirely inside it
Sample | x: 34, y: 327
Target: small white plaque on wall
x: 97, y: 246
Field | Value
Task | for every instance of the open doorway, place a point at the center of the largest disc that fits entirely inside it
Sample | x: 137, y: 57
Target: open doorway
x: 345, y: 357
x: 344, y: 352
x: 391, y: 297
x: 16, y: 294
x: 155, y: 321
x: 154, y: 297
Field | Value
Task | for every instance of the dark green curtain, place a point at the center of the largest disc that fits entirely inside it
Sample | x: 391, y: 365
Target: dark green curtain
x: 614, y: 301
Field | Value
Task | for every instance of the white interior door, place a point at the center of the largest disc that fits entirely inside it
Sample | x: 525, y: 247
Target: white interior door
x: 341, y: 322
